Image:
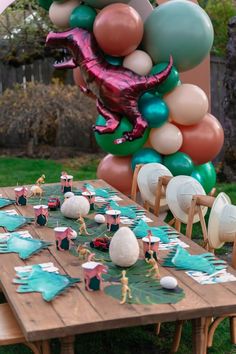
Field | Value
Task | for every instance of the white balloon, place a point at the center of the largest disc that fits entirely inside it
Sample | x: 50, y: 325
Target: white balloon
x: 166, y: 139
x: 139, y: 62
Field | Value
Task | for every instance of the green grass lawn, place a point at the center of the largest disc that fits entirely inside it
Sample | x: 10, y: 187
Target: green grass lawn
x: 140, y: 340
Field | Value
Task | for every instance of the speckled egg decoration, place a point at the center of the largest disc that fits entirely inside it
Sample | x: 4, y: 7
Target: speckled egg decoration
x: 100, y: 219
x: 75, y: 206
x: 169, y: 283
x: 68, y: 195
x: 124, y: 248
x: 73, y: 235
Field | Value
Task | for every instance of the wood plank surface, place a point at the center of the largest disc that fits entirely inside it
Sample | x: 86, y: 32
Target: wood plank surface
x: 79, y: 311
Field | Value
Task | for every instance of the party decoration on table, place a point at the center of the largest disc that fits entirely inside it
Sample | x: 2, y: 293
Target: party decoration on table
x: 25, y: 247
x: 93, y: 274
x: 180, y: 258
x: 99, y: 218
x: 169, y: 282
x: 50, y: 284
x: 13, y: 222
x: 114, y: 79
x: 63, y: 236
x: 113, y: 219
x: 54, y: 203
x: 66, y: 182
x: 23, y: 271
x: 174, y: 242
x: 206, y: 175
x: 41, y: 214
x: 195, y: 34
x: 145, y: 156
x: 147, y: 180
x: 222, y: 222
x: 36, y: 191
x: 124, y: 248
x: 83, y: 252
x: 21, y: 195
x: 145, y: 290
x: 101, y: 194
x: 90, y: 196
x: 154, y: 270
x: 75, y: 206
x: 125, y: 289
x: 179, y: 193
x: 221, y: 276
x: 141, y: 229
x: 150, y: 243
x: 6, y: 235
x: 101, y: 243
x: 5, y: 202
x: 49, y: 191
x: 83, y: 227
x: 41, y: 180
x: 68, y: 195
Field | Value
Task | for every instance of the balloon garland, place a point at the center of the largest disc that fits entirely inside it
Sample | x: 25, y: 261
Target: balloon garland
x: 146, y: 113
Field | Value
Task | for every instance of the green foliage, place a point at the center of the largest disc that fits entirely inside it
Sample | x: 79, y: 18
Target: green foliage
x: 220, y: 12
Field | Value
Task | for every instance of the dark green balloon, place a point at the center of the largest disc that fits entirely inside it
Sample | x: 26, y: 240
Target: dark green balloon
x: 154, y: 110
x: 106, y: 141
x: 172, y: 80
x: 117, y: 61
x: 206, y: 175
x: 145, y: 155
x: 179, y: 163
x: 45, y: 4
x: 83, y: 16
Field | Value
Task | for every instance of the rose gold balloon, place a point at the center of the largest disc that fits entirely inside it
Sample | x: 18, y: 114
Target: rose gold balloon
x: 187, y: 103
x: 118, y: 29
x: 117, y: 172
x: 139, y: 62
x: 167, y: 139
x: 59, y: 12
x: 202, y: 142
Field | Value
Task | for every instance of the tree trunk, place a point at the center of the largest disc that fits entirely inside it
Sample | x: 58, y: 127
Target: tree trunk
x: 229, y: 163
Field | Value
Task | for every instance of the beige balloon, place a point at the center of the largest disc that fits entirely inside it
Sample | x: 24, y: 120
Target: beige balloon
x: 167, y: 139
x: 139, y: 62
x: 187, y: 103
x: 59, y: 12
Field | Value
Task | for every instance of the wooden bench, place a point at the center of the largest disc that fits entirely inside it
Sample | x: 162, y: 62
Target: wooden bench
x: 10, y: 332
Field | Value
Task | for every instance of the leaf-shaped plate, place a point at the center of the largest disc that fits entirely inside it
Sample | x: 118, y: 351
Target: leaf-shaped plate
x: 25, y: 247
x: 5, y: 201
x: 49, y: 284
x: 13, y: 222
x: 142, y: 228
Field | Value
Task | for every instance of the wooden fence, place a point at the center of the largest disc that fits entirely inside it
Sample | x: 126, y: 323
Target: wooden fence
x: 43, y: 71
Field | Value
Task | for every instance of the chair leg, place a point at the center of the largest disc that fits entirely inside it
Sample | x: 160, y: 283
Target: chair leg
x: 158, y: 328
x: 212, y: 330
x: 177, y: 336
x: 39, y: 348
x: 232, y: 320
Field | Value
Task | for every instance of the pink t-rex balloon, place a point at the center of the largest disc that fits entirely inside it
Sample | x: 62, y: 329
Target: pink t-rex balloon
x: 117, y: 89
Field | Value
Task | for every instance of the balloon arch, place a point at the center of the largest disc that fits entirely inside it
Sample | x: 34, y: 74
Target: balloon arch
x: 131, y: 59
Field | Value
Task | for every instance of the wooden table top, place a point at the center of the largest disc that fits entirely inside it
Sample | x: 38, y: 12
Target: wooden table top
x: 79, y: 311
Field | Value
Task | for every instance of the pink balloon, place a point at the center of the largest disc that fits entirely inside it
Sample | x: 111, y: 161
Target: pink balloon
x: 4, y: 4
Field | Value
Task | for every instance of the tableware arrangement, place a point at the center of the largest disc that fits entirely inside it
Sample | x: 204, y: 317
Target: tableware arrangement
x: 5, y: 202
x: 41, y: 214
x: 13, y: 221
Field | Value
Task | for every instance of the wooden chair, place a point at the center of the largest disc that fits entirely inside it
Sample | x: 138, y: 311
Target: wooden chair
x: 10, y: 332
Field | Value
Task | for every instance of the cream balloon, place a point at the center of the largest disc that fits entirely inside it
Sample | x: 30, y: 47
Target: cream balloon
x: 139, y: 62
x: 187, y: 103
x: 59, y: 12
x: 167, y: 139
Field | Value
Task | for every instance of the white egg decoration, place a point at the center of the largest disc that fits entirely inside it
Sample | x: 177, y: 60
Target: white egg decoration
x: 73, y: 234
x: 124, y: 248
x: 75, y: 206
x: 68, y: 195
x: 100, y: 219
x: 169, y: 283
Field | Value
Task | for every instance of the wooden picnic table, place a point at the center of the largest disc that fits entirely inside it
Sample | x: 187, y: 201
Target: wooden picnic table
x: 79, y: 311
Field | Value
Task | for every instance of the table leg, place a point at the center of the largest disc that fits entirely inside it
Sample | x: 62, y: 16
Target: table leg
x: 199, y: 335
x: 67, y: 345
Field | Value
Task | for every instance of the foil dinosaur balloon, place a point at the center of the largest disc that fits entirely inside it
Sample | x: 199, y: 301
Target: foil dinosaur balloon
x: 117, y: 89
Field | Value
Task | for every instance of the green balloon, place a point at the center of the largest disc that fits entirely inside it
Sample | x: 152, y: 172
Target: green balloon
x: 106, y: 141
x: 172, y: 80
x: 154, y: 110
x: 145, y: 155
x: 45, y: 4
x: 179, y: 28
x: 83, y: 16
x: 117, y: 61
x: 99, y: 4
x: 179, y: 163
x: 206, y: 175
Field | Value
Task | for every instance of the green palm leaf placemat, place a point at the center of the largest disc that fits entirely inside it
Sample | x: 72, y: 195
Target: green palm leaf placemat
x: 48, y: 191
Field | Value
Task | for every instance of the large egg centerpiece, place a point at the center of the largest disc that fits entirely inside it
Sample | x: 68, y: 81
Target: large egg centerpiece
x: 75, y: 206
x: 124, y: 248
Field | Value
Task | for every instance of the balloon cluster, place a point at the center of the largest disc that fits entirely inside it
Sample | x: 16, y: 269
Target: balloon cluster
x: 178, y: 131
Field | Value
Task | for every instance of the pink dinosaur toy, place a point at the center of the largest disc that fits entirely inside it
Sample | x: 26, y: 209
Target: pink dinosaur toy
x: 93, y: 271
x: 62, y: 233
x: 117, y: 89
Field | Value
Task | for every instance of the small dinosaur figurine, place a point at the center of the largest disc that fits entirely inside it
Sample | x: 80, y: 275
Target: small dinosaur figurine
x: 82, y: 228
x: 83, y: 252
x: 125, y: 289
x: 40, y: 180
x: 155, y: 269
